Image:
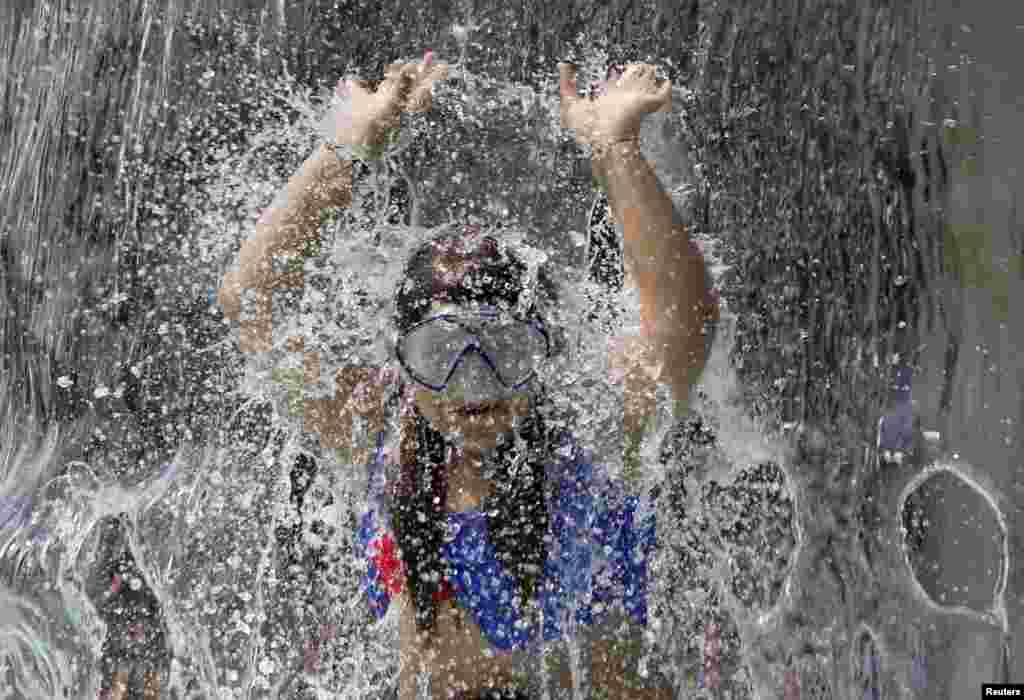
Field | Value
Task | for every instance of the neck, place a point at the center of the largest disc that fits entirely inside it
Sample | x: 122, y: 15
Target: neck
x: 467, y: 487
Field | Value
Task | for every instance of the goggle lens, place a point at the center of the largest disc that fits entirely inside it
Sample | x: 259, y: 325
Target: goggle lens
x: 516, y: 348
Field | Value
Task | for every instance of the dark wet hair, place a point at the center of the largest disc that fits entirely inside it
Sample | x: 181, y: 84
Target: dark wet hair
x: 517, y: 508
x: 488, y: 277
x: 491, y: 279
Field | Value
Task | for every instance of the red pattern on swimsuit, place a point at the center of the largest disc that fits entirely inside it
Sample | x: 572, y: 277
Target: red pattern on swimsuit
x: 389, y: 566
x: 445, y: 593
x: 390, y: 571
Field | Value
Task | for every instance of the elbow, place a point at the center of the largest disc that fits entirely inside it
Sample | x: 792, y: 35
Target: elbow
x: 686, y: 357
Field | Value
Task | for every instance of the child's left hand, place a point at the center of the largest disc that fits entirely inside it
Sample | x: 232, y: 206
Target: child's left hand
x: 373, y: 113
x: 614, y: 115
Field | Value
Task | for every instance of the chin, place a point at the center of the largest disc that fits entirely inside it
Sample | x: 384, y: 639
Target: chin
x: 483, y: 442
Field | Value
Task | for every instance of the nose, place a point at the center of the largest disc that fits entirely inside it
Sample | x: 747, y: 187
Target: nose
x: 474, y: 379
x: 472, y: 365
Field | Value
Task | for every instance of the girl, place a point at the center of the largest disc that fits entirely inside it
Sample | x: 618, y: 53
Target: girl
x: 498, y: 531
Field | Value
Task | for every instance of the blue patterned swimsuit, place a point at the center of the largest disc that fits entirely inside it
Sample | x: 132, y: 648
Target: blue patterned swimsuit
x: 602, y: 542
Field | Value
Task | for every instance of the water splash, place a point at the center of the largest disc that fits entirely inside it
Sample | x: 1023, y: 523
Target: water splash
x: 202, y: 531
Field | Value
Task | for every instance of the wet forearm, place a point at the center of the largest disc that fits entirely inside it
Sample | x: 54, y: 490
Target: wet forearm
x: 293, y: 220
x: 285, y: 228
x: 667, y: 269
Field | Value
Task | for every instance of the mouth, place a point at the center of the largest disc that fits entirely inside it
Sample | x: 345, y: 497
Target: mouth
x: 476, y: 408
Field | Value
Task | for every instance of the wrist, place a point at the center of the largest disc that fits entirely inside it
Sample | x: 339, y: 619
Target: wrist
x: 607, y: 153
x: 254, y: 265
x: 371, y: 145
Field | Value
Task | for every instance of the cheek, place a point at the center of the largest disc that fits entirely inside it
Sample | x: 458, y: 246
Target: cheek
x: 436, y: 412
x: 430, y: 410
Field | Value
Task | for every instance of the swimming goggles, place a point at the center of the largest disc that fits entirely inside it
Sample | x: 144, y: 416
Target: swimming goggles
x: 512, y: 347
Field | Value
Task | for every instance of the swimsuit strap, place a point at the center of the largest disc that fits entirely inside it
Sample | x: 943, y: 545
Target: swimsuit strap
x: 599, y: 557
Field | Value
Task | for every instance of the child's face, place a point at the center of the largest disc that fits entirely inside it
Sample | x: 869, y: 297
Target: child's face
x: 447, y: 411
x: 480, y: 431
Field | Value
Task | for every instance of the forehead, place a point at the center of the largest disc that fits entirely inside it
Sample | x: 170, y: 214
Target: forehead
x: 443, y: 307
x: 438, y: 307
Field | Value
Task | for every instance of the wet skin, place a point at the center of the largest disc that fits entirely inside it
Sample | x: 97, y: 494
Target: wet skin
x: 446, y: 413
x: 459, y: 656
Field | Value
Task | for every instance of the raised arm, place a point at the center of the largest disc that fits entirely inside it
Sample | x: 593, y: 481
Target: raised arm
x: 285, y: 228
x: 667, y: 269
x: 293, y: 222
x: 678, y: 310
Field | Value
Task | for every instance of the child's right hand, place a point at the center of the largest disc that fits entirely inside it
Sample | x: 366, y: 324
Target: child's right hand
x: 372, y: 114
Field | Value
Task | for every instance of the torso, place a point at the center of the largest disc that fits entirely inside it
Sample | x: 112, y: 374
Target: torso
x: 466, y: 489
x: 464, y: 659
x: 460, y: 657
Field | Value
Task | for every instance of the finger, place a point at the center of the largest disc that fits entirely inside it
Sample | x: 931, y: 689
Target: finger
x: 151, y: 686
x: 665, y: 97
x: 439, y: 72
x: 420, y: 101
x: 640, y: 72
x: 567, y: 81
x: 407, y: 81
x: 119, y: 686
x: 423, y: 70
x: 425, y: 82
x: 396, y: 77
x: 659, y: 99
x: 391, y: 74
x: 355, y: 85
x: 399, y: 83
x: 421, y: 96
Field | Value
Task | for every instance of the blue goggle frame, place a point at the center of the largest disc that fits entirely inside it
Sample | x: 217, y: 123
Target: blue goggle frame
x: 473, y: 346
